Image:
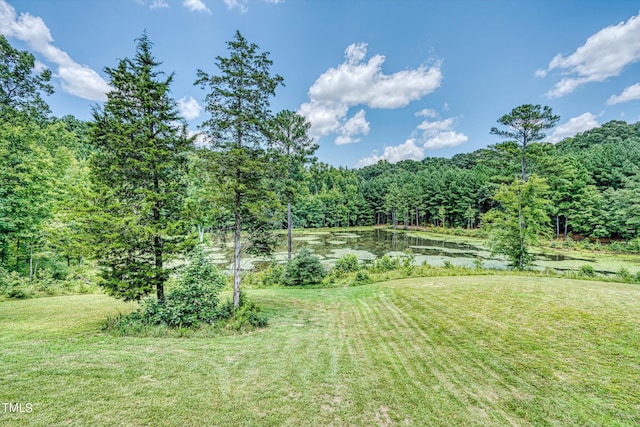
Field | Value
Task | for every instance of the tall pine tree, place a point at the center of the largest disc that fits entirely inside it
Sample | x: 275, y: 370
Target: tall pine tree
x: 238, y: 102
x: 138, y: 176
x: 294, y: 149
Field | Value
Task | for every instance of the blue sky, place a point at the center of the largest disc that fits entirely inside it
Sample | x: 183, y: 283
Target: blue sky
x: 377, y: 79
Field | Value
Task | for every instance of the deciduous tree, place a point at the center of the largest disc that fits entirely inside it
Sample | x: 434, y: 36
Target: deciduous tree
x: 519, y: 220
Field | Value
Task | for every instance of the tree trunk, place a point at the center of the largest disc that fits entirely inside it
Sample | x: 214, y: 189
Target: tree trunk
x: 524, y: 158
x: 557, y: 225
x: 157, y: 243
x: 201, y: 233
x: 159, y: 279
x: 31, y: 262
x: 289, y: 231
x: 566, y: 226
x: 236, y: 255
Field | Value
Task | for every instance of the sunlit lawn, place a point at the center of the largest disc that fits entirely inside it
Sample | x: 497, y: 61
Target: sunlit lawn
x: 475, y: 350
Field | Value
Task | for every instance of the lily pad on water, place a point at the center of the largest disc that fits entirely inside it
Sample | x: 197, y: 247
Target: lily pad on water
x: 360, y: 254
x: 347, y: 235
x: 306, y: 238
x: 336, y: 242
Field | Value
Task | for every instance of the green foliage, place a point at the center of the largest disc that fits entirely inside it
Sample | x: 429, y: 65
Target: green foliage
x: 526, y: 124
x: 304, y: 269
x: 347, y: 264
x: 272, y: 275
x: 623, y: 274
x: 193, y: 300
x: 238, y: 103
x: 20, y: 84
x: 519, y: 221
x: 386, y: 263
x: 137, y: 173
x: 361, y: 278
x: 587, y: 271
x: 247, y: 316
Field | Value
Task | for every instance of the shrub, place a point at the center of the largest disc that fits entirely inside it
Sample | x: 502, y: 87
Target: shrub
x: 587, y: 271
x: 624, y: 274
x: 361, y: 278
x: 272, y: 276
x: 304, y: 269
x: 386, y: 263
x: 347, y: 264
x: 247, y: 316
x: 193, y: 300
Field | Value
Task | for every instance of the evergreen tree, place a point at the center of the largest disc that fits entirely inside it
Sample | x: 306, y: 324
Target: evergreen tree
x: 138, y: 176
x: 526, y: 124
x: 238, y: 102
x: 289, y: 137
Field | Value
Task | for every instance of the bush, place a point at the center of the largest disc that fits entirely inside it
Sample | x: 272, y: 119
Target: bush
x: 272, y: 276
x: 587, y: 271
x: 193, y: 300
x: 386, y: 263
x: 362, y: 278
x: 246, y: 317
x: 304, y: 269
x: 624, y: 274
x: 347, y: 264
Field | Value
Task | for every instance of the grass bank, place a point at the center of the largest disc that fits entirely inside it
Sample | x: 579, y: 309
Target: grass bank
x: 475, y: 350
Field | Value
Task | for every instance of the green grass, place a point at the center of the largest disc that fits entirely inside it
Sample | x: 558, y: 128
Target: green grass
x: 475, y: 350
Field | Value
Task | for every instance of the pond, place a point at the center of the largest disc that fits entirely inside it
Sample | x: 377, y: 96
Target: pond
x: 371, y: 244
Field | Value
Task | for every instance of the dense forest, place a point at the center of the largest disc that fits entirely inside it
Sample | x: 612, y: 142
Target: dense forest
x: 69, y: 188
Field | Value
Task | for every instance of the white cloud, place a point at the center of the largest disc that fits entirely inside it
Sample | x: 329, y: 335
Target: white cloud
x: 325, y: 117
x: 240, y: 4
x: 197, y: 5
x: 436, y: 126
x: 393, y: 154
x: 356, y: 125
x: 445, y: 139
x: 189, y: 108
x: 605, y: 54
x: 154, y: 4
x: 427, y: 113
x: 582, y: 123
x: 439, y: 133
x: 158, y: 4
x: 358, y: 82
x: 629, y: 93
x: 76, y: 79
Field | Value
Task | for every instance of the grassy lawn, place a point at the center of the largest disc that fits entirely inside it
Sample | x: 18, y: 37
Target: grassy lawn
x: 475, y: 350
